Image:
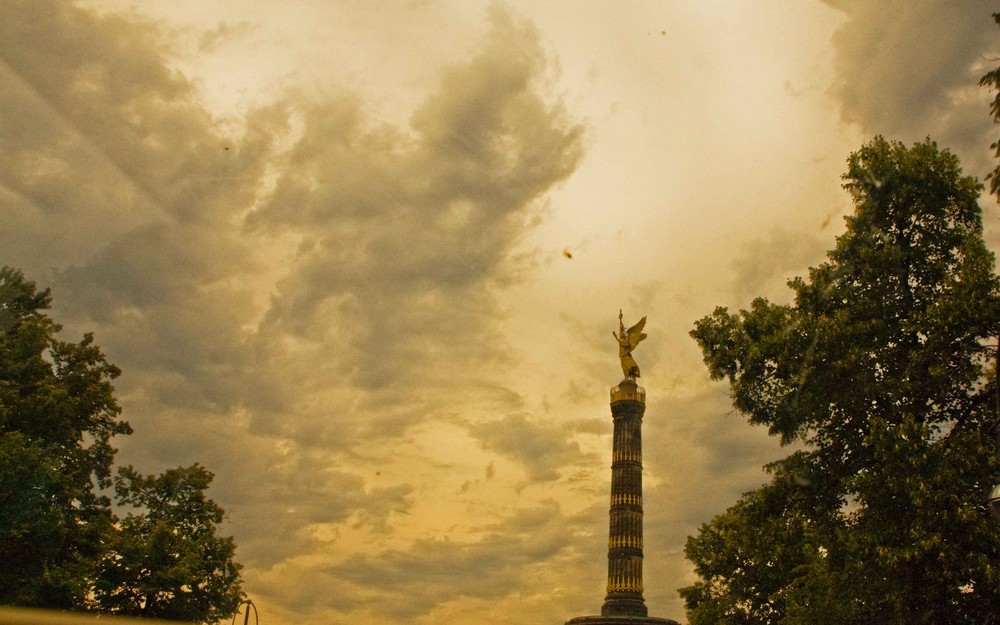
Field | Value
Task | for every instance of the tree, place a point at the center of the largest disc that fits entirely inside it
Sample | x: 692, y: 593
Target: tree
x: 168, y: 562
x: 57, y: 417
x: 992, y: 80
x: 60, y: 543
x: 882, y: 372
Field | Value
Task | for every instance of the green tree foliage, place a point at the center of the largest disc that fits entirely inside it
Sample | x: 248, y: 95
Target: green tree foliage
x: 57, y: 417
x: 168, y: 562
x: 882, y: 372
x: 992, y: 80
x: 61, y: 546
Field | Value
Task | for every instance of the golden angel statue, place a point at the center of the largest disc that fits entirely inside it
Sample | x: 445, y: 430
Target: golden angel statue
x: 627, y: 341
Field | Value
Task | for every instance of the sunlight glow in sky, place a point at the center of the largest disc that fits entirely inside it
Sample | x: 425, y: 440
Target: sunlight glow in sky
x: 327, y: 243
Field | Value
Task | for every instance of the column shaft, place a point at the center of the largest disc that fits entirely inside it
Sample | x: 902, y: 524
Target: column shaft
x: 624, y: 596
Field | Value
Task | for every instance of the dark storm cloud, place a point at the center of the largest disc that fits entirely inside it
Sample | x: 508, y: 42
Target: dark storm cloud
x: 542, y: 448
x: 721, y: 458
x: 704, y: 456
x: 213, y: 39
x: 765, y: 265
x: 370, y: 260
x: 906, y: 70
x: 62, y: 196
x: 123, y: 195
x: 410, y: 583
x: 910, y: 69
x: 102, y: 82
x: 403, y: 235
x: 406, y: 235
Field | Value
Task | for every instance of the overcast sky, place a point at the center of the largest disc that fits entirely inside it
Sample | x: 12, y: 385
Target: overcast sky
x: 363, y: 259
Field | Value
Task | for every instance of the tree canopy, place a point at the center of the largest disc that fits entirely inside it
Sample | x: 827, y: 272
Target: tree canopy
x: 167, y: 562
x: 992, y: 80
x: 57, y: 417
x: 882, y: 372
x: 61, y: 543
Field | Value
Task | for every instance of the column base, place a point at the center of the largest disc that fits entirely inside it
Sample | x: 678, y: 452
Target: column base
x: 624, y: 604
x: 620, y: 620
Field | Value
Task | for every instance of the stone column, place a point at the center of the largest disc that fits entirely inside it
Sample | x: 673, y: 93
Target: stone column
x: 624, y: 598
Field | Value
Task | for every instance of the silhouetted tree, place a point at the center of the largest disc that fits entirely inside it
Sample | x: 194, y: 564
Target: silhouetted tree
x: 992, y: 80
x: 57, y: 417
x: 168, y: 561
x: 60, y: 544
x: 882, y: 371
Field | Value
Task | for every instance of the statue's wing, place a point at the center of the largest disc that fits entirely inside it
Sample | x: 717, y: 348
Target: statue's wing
x: 635, y: 333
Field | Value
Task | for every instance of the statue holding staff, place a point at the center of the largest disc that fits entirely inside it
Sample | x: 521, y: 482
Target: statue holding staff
x: 627, y: 341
